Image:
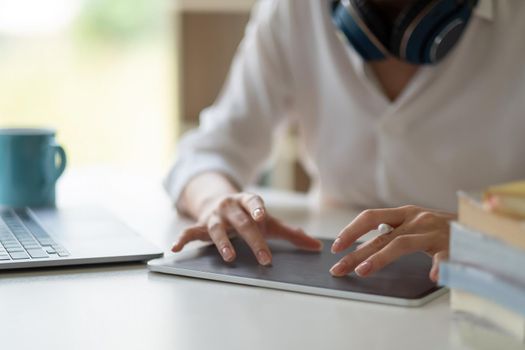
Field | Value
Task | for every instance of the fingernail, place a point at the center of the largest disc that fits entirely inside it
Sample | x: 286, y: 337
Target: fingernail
x: 174, y: 247
x: 339, y: 268
x: 336, y: 245
x: 364, y: 268
x: 433, y: 277
x: 434, y: 274
x: 227, y: 253
x: 258, y: 213
x: 264, y: 257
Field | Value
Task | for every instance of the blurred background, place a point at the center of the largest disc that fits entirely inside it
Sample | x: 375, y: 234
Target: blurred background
x: 121, y: 80
x: 99, y: 71
x: 105, y: 73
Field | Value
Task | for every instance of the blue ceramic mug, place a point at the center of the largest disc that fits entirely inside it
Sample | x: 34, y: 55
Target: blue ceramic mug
x: 30, y: 164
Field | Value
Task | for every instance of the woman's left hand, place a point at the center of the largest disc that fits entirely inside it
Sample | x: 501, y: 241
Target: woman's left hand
x: 415, y: 229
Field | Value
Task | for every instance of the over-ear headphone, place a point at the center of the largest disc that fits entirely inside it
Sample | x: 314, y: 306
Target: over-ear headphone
x: 423, y: 33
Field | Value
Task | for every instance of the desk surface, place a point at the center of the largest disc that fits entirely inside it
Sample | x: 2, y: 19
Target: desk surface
x: 127, y: 307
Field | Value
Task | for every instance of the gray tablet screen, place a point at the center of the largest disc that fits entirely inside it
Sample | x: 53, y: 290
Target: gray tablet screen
x: 407, y: 278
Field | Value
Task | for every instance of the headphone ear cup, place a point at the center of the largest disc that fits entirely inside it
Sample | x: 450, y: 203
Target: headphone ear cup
x: 428, y: 30
x: 446, y: 36
x: 402, y: 23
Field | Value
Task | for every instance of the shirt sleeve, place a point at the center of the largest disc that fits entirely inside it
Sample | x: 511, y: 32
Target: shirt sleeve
x: 236, y: 133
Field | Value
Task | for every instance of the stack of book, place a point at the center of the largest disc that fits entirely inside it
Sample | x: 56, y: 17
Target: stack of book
x: 486, y: 270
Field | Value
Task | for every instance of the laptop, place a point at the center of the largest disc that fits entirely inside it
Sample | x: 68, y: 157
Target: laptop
x: 404, y: 282
x: 59, y: 237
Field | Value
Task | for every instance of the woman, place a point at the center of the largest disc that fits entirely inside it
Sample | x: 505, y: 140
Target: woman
x: 380, y: 128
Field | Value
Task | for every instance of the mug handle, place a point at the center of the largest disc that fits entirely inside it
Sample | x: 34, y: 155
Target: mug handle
x: 57, y: 171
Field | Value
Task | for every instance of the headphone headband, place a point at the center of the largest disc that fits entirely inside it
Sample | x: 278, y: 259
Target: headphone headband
x: 423, y: 33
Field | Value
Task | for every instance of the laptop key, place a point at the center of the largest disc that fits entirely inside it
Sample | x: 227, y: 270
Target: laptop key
x: 62, y: 253
x: 46, y: 241
x: 31, y: 246
x: 37, y: 253
x: 7, y: 242
x: 19, y: 255
x: 4, y: 257
x: 25, y: 241
x: 15, y: 249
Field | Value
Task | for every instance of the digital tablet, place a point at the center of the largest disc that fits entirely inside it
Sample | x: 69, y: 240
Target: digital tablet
x: 404, y: 282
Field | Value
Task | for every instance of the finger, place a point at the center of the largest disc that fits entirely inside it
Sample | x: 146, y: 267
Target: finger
x: 436, y: 260
x: 363, y: 244
x: 297, y: 237
x: 349, y: 262
x: 190, y: 234
x: 254, y: 205
x: 219, y: 236
x: 398, y: 231
x: 248, y: 230
x: 394, y: 233
x: 399, y: 246
x: 365, y: 222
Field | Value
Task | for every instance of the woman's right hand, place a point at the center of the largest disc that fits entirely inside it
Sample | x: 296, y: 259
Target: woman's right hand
x: 245, y: 213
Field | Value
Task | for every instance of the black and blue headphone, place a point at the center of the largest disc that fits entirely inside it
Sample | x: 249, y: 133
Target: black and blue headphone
x: 423, y: 33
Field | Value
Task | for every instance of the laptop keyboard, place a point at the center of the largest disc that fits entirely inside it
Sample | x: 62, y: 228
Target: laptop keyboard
x: 22, y: 238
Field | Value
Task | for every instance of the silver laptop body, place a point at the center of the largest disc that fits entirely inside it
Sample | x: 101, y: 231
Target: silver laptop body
x: 55, y: 237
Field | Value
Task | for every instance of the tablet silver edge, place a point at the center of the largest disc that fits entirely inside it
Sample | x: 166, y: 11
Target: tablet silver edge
x: 157, y: 266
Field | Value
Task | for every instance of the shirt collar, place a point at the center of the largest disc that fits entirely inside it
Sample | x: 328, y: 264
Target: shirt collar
x: 485, y: 10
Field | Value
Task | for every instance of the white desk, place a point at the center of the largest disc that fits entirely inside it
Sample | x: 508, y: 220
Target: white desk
x: 127, y: 307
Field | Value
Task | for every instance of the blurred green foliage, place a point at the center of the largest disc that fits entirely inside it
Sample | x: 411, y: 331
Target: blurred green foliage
x: 121, y: 21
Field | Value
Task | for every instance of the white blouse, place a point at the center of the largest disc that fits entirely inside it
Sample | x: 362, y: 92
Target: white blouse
x: 457, y: 125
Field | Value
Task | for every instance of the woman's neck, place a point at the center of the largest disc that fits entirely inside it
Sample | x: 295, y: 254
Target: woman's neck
x: 393, y: 75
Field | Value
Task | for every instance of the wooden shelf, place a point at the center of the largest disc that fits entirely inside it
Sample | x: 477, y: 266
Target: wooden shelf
x: 207, y: 43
